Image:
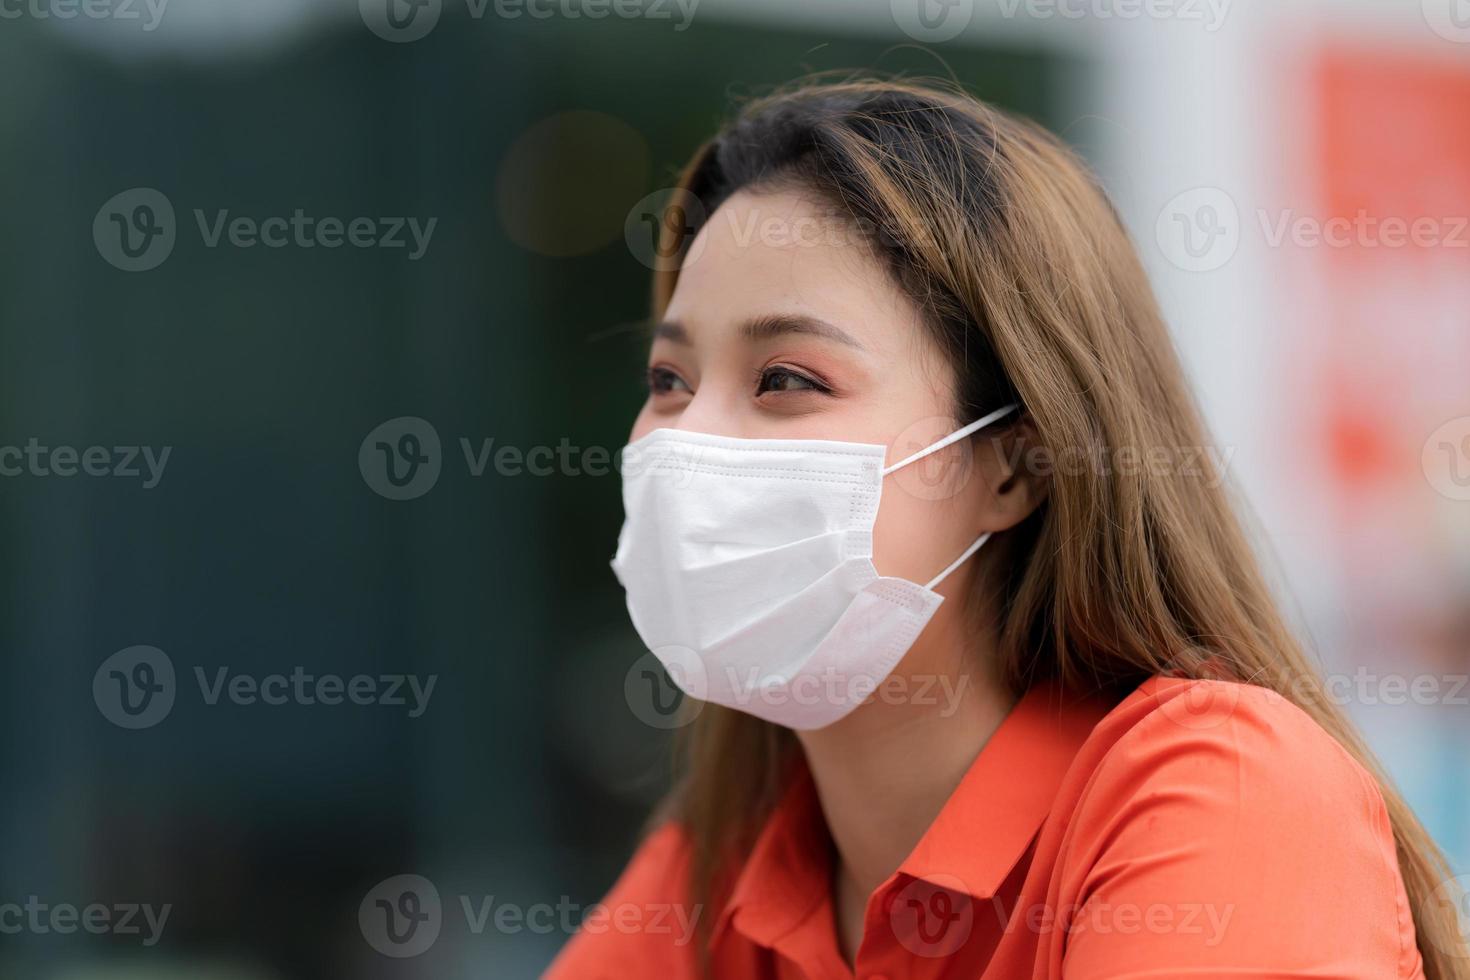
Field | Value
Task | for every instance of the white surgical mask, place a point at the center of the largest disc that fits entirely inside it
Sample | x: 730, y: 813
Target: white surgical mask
x: 748, y: 566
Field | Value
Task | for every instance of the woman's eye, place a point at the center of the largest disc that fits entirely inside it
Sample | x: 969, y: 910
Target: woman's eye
x: 784, y: 379
x: 662, y: 381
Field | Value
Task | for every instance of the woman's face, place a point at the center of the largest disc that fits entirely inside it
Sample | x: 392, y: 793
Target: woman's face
x: 785, y: 326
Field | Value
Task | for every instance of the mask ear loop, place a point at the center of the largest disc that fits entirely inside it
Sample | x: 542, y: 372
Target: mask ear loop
x: 954, y: 437
x: 958, y: 561
x: 950, y: 440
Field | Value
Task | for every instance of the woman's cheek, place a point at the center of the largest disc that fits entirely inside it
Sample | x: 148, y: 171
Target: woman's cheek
x: 903, y: 537
x: 928, y: 514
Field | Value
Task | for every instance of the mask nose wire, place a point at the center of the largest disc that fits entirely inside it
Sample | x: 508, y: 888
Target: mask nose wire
x: 954, y: 437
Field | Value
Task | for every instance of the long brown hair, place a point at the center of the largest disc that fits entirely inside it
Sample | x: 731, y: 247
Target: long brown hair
x: 1034, y: 291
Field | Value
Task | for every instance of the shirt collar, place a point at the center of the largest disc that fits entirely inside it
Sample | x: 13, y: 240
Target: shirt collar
x: 976, y: 841
x: 788, y: 873
x: 991, y: 818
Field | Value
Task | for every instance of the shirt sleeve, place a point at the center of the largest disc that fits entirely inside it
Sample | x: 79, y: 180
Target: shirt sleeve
x: 1238, y: 842
x: 644, y: 927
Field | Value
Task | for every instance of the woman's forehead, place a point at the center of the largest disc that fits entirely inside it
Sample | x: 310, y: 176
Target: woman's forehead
x: 788, y: 253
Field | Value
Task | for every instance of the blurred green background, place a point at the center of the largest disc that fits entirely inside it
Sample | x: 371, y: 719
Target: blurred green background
x: 263, y: 549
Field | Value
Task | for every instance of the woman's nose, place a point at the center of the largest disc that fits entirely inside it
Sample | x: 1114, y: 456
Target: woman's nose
x: 712, y: 412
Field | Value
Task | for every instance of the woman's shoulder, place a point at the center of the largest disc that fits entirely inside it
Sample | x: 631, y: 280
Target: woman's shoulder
x: 1242, y: 722
x: 1241, y: 744
x: 645, y: 926
x: 1231, y: 795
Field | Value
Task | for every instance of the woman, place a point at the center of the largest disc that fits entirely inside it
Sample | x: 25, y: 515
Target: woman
x: 1089, y: 748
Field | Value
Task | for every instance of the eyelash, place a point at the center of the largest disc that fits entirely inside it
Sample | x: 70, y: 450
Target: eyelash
x: 660, y: 380
x: 765, y: 373
x: 658, y: 376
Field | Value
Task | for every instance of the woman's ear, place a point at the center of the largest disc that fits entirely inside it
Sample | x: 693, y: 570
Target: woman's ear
x: 1009, y: 465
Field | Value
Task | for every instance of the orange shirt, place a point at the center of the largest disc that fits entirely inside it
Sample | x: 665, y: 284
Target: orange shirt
x: 1199, y: 829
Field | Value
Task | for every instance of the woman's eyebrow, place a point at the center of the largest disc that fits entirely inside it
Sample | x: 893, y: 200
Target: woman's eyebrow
x: 765, y: 328
x: 671, y: 331
x: 780, y: 324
